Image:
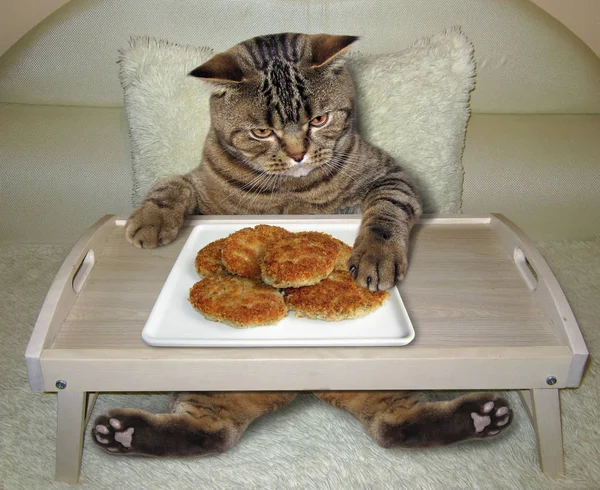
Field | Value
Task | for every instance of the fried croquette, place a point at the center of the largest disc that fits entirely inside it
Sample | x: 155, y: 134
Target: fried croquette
x: 208, y: 259
x: 243, y: 250
x: 341, y: 264
x: 302, y: 259
x: 336, y: 298
x: 237, y: 301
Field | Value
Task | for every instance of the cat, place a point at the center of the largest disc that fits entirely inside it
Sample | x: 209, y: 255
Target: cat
x: 284, y: 140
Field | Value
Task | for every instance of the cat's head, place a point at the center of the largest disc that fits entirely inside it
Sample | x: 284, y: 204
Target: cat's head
x: 282, y: 103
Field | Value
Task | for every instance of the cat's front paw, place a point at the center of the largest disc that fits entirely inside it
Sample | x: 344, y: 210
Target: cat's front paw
x: 378, y: 264
x: 153, y: 224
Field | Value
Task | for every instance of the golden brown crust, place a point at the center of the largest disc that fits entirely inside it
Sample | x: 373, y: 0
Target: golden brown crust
x: 302, y: 259
x: 341, y: 264
x: 336, y: 298
x: 243, y: 250
x: 208, y: 259
x: 237, y: 301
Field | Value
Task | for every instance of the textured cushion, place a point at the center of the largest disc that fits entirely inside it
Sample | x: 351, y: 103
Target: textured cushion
x: 167, y: 110
x: 414, y: 104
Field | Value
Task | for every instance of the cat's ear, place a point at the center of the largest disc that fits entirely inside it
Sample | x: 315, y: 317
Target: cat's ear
x: 221, y: 68
x: 327, y: 48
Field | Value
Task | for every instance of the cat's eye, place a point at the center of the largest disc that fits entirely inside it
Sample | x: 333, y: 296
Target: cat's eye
x: 319, y: 121
x: 262, y: 132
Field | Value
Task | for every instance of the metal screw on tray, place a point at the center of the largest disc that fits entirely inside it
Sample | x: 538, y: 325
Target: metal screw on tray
x: 60, y: 384
x: 551, y: 380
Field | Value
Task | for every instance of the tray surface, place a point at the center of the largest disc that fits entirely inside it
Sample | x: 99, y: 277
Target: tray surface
x: 174, y: 322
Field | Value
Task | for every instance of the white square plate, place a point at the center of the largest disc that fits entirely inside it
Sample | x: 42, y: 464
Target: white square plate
x: 173, y: 321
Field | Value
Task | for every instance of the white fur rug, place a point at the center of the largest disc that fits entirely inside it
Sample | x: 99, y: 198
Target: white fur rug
x: 306, y: 445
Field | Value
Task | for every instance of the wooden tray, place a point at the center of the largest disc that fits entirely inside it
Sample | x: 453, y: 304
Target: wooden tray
x: 487, y: 311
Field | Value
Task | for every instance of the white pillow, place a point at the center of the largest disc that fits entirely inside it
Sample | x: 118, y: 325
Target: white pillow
x: 413, y: 103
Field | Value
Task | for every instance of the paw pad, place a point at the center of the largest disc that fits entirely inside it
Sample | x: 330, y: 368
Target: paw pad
x: 101, y: 429
x: 490, y: 421
x: 481, y: 422
x: 488, y: 407
x: 125, y: 437
x: 502, y: 411
x: 113, y: 436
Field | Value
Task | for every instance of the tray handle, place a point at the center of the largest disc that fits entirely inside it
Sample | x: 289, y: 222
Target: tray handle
x: 546, y: 292
x: 82, y: 272
x: 63, y: 292
x: 525, y: 268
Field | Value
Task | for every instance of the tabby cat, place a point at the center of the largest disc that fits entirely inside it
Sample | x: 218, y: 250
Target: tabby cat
x: 283, y: 139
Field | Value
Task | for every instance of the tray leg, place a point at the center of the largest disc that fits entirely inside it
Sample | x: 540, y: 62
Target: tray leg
x: 90, y: 402
x: 69, y: 435
x: 548, y: 428
x: 527, y: 399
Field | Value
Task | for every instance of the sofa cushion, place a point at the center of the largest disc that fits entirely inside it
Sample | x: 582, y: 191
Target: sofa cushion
x: 541, y: 171
x: 61, y: 169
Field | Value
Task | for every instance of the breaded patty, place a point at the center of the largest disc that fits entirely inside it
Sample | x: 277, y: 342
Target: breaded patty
x: 243, y: 250
x: 208, y: 259
x: 336, y: 298
x: 237, y: 301
x: 302, y: 259
x: 341, y: 264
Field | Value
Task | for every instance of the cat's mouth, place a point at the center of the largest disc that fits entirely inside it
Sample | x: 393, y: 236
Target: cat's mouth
x: 299, y: 170
x: 296, y: 170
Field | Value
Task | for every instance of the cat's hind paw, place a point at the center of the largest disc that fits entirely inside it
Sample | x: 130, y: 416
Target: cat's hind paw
x: 473, y: 416
x: 489, y: 415
x: 113, y: 434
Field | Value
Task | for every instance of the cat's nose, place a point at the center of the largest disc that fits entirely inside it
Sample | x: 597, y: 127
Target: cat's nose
x: 296, y: 156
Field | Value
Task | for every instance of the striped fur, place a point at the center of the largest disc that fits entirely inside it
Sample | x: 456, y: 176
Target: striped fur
x: 280, y: 84
x: 305, y: 157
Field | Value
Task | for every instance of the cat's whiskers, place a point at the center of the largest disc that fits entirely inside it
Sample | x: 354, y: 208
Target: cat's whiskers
x: 249, y: 193
x: 345, y: 158
x: 341, y: 167
x: 348, y: 161
x: 267, y: 184
x: 326, y: 168
x: 246, y: 188
x: 342, y: 163
x: 249, y: 187
x: 270, y: 185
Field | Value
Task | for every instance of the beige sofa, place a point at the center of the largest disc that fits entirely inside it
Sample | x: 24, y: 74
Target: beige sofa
x: 532, y: 153
x: 532, y: 142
